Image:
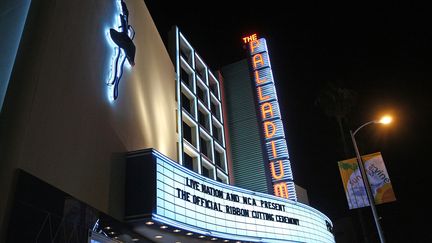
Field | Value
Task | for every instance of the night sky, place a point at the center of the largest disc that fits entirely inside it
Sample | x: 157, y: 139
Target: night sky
x: 379, y: 50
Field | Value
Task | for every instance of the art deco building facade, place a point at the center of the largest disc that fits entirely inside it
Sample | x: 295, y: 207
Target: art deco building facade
x: 109, y: 135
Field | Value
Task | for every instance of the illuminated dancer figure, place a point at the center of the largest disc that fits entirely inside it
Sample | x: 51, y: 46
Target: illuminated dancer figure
x: 125, y: 48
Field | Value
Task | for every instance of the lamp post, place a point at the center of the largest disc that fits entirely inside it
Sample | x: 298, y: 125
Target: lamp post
x: 384, y: 120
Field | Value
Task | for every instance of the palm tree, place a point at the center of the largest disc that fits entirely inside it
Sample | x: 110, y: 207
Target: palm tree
x: 337, y: 102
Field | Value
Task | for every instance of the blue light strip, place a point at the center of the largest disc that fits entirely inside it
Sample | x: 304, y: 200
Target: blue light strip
x: 178, y: 96
x: 12, y: 22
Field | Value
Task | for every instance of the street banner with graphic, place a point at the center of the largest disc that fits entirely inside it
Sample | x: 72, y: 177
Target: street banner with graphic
x: 378, y: 177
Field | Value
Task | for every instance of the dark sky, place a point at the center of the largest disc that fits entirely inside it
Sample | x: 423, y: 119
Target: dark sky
x: 380, y: 50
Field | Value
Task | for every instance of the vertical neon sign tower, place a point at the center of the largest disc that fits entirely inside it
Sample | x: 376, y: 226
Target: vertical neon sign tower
x: 270, y: 119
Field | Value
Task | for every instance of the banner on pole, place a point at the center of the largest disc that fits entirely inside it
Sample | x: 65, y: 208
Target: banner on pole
x: 378, y: 178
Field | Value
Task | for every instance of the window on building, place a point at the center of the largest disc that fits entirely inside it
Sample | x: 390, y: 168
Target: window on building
x: 200, y: 68
x: 216, y: 108
x: 187, y: 132
x: 188, y: 102
x: 214, y: 85
x: 207, y: 169
x: 187, y: 75
x: 217, y: 132
x: 221, y: 177
x: 185, y: 78
x: 186, y: 51
x: 205, y: 172
x: 184, y: 54
x: 220, y: 158
x: 206, y: 145
x: 204, y: 118
x: 190, y: 131
x: 202, y: 92
x: 188, y: 161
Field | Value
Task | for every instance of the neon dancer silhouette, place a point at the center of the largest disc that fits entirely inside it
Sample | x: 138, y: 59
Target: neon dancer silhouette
x: 125, y: 48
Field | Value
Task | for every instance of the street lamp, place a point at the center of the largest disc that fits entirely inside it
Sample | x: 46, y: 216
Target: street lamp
x: 384, y: 120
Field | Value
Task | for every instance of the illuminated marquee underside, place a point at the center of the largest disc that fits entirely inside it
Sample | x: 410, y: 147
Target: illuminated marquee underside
x: 185, y: 200
x: 270, y: 116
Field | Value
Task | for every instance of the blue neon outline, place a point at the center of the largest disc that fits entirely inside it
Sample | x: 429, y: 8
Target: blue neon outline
x: 119, y: 57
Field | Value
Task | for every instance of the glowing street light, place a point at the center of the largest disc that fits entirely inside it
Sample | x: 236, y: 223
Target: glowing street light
x: 384, y: 120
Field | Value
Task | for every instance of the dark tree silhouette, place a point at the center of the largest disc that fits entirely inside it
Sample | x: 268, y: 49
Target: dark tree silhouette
x: 337, y: 102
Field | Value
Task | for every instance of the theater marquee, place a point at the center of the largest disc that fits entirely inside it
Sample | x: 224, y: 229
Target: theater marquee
x: 167, y: 193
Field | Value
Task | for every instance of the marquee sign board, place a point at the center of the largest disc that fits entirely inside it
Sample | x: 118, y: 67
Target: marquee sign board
x: 186, y: 200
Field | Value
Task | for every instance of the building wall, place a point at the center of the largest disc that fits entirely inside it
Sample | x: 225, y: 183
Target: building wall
x: 57, y: 121
x: 13, y: 14
x: 302, y: 195
x: 246, y: 150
